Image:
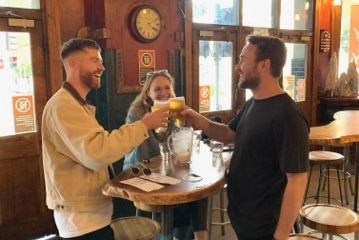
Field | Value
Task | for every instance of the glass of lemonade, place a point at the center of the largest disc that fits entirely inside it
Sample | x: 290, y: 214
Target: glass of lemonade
x: 176, y: 105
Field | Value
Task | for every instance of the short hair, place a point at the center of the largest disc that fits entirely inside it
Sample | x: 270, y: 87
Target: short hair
x: 272, y: 48
x: 76, y: 45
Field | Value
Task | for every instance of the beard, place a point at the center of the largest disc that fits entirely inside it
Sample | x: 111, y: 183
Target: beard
x: 88, y: 79
x: 250, y: 82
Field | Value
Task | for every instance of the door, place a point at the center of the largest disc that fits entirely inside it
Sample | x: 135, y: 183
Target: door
x: 214, y: 55
x: 23, y: 213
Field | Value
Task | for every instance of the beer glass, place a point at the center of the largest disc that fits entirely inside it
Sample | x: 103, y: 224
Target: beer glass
x: 176, y: 105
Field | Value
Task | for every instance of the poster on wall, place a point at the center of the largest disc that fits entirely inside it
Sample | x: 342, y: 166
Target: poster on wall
x: 146, y: 63
x: 354, y: 36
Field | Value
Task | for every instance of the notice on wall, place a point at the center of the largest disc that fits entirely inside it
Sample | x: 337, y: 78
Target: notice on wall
x: 289, y: 84
x: 300, y: 90
x: 204, y: 98
x: 146, y: 63
x: 23, y: 108
x: 354, y: 36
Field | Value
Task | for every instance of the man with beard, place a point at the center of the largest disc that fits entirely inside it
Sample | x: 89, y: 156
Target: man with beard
x: 77, y: 150
x: 268, y: 170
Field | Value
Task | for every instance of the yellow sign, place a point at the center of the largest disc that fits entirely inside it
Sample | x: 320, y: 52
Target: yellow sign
x: 204, y: 98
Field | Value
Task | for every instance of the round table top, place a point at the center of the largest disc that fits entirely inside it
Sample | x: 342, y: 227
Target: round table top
x: 212, y: 179
x: 327, y: 218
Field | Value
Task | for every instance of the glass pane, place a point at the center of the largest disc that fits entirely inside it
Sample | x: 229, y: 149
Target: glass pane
x: 16, y: 86
x: 29, y: 4
x: 296, y: 14
x: 223, y: 12
x: 349, y: 47
x: 215, y: 75
x: 294, y: 71
x: 263, y: 16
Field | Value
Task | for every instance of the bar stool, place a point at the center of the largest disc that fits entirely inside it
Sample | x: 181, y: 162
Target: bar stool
x: 222, y: 212
x: 325, y: 159
x: 303, y: 237
x: 135, y: 227
x: 345, y: 174
x: 332, y: 220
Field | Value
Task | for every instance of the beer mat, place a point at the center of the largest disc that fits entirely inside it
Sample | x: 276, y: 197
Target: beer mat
x: 142, y: 184
x: 159, y: 178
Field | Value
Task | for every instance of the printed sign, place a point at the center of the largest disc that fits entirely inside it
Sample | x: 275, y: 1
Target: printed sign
x: 146, y: 63
x: 204, y: 98
x: 24, y: 120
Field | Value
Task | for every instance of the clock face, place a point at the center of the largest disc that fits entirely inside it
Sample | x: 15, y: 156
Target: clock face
x: 147, y: 23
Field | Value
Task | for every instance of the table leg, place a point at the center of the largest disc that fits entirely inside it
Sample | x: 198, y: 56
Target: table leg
x: 356, y: 164
x: 166, y: 220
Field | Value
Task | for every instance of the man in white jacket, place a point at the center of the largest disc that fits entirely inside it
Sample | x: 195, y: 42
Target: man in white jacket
x: 77, y: 150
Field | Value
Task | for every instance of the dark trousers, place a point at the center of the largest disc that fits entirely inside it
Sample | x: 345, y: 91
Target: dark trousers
x: 101, y: 234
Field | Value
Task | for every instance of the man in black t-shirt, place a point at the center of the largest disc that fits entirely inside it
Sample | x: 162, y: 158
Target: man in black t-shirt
x: 268, y: 170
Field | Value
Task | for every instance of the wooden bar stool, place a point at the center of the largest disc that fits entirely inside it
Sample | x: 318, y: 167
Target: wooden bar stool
x: 303, y: 237
x: 332, y: 220
x: 135, y: 227
x: 325, y: 159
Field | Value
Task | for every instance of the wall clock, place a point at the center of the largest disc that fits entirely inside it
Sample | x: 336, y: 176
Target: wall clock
x: 145, y: 23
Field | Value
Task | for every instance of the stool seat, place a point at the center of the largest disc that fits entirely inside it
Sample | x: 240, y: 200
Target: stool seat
x: 135, y: 227
x: 326, y: 157
x: 303, y: 237
x: 331, y: 219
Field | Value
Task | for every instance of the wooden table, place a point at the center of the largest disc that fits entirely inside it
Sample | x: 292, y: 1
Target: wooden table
x: 343, y: 130
x: 213, y: 180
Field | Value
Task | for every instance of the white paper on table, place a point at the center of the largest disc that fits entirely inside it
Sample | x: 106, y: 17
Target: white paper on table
x: 142, y: 184
x: 159, y: 178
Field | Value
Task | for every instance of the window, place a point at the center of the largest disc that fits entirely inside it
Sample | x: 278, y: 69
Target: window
x: 219, y: 30
x: 296, y: 14
x: 29, y: 4
x: 215, y: 75
x: 215, y: 12
x: 254, y: 16
x: 17, y: 85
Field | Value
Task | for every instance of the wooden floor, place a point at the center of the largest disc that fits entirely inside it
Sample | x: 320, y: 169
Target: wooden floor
x: 229, y: 232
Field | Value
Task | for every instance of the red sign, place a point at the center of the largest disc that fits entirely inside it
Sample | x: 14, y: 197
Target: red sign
x: 146, y: 63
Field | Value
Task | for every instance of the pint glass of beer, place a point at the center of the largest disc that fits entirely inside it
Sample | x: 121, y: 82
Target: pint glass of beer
x: 176, y: 105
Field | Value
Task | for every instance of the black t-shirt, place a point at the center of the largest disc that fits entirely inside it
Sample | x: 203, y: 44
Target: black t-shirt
x: 271, y: 140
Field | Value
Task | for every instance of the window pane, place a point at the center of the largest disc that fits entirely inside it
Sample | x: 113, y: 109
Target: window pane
x: 296, y: 14
x: 16, y: 86
x: 259, y: 13
x: 215, y: 75
x: 223, y: 12
x: 294, y: 72
x: 29, y: 4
